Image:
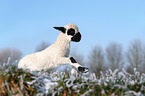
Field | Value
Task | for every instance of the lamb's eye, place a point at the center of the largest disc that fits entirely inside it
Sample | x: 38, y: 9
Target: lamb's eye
x: 71, y: 31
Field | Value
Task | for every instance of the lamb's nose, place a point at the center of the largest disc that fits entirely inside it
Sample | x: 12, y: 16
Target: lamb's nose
x: 76, y: 37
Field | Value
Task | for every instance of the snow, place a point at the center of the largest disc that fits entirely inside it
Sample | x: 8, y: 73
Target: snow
x: 49, y: 84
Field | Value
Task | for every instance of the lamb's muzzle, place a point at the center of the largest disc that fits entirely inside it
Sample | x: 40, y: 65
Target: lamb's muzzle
x: 76, y: 37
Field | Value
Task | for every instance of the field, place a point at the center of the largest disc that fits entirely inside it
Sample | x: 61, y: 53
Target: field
x: 14, y: 81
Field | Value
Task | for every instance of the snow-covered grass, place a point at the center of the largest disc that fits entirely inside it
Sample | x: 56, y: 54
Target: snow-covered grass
x: 15, y: 81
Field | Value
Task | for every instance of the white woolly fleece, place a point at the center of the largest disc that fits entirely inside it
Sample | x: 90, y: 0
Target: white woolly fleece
x: 53, y: 56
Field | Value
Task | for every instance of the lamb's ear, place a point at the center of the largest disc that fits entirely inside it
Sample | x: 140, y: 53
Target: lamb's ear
x: 62, y: 29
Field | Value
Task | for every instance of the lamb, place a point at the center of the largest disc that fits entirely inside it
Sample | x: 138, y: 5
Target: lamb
x: 56, y: 54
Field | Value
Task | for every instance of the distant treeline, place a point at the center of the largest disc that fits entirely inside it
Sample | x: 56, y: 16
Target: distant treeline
x: 113, y: 57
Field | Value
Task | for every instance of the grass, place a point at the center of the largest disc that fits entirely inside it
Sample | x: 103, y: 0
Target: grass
x: 14, y: 81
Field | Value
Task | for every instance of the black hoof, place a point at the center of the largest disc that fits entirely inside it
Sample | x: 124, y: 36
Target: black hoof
x: 83, y: 69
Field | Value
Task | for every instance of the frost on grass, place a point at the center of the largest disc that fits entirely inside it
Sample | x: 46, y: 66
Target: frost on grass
x: 14, y: 81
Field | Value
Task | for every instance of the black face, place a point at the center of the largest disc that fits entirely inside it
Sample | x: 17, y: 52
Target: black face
x: 76, y: 37
x: 71, y: 32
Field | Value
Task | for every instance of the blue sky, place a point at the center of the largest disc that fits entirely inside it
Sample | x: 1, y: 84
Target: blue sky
x: 24, y: 24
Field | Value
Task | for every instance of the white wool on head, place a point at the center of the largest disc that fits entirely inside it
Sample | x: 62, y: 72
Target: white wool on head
x: 71, y: 26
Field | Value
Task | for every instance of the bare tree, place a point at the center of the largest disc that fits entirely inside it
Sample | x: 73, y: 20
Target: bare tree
x: 13, y: 54
x: 42, y: 46
x: 96, y: 60
x: 136, y: 55
x: 114, y: 56
x: 143, y: 62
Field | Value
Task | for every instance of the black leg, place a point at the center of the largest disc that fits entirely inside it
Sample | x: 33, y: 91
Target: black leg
x: 83, y: 69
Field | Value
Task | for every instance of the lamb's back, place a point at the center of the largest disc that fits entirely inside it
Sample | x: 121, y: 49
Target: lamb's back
x: 35, y: 61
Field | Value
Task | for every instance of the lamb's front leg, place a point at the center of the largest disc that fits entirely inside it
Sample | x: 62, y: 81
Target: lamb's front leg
x: 74, y: 64
x: 78, y: 66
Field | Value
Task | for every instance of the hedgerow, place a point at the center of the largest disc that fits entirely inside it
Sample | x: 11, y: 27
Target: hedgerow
x: 14, y: 81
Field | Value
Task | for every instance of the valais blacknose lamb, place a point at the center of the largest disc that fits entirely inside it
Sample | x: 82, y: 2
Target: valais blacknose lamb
x: 56, y: 54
